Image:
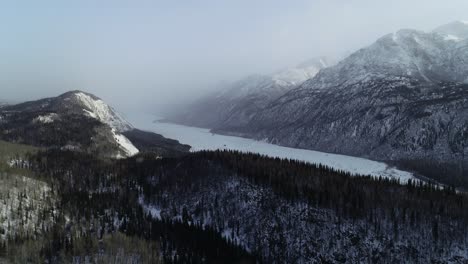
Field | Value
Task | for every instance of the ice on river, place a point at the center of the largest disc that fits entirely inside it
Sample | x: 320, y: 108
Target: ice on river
x: 203, y: 139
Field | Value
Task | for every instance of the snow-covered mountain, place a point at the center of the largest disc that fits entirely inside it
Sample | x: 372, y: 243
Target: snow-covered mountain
x: 403, y: 98
x: 98, y: 109
x: 302, y: 72
x: 235, y: 104
x: 74, y: 120
x: 77, y: 102
x: 455, y: 31
x: 428, y: 57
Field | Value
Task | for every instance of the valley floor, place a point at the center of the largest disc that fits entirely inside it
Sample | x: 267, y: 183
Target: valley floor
x: 203, y: 139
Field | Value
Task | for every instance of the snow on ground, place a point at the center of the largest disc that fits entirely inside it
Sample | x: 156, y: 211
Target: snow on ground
x: 46, y: 119
x: 125, y: 144
x: 24, y: 204
x: 98, y: 109
x: 153, y: 210
x: 203, y: 139
x: 452, y: 37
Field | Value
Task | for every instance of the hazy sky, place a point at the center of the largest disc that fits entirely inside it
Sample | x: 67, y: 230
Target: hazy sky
x: 153, y: 53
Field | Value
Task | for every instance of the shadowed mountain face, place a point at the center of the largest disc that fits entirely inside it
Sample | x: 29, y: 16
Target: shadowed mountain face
x: 404, y: 98
x: 77, y: 121
x: 236, y: 104
x: 157, y: 144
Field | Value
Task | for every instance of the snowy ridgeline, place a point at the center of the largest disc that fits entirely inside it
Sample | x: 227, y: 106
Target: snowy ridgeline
x: 98, y: 109
x: 203, y: 139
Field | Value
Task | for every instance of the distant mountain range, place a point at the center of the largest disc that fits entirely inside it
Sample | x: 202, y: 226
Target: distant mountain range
x: 235, y: 104
x: 402, y: 99
x: 129, y: 196
x: 79, y: 121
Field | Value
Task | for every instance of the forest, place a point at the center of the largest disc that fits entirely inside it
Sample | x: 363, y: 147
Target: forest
x: 227, y: 206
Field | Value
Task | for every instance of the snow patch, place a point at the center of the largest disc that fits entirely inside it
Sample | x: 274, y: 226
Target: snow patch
x: 46, y: 119
x: 324, y: 65
x: 450, y: 37
x: 153, y: 210
x: 125, y: 145
x: 90, y: 114
x: 98, y: 109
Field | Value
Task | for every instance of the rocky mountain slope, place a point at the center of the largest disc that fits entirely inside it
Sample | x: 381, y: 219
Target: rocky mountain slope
x: 77, y: 103
x: 235, y: 104
x: 75, y: 120
x: 455, y: 31
x: 404, y: 98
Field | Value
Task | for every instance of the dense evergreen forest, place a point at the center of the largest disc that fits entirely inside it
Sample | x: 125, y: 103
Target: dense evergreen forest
x: 451, y: 173
x: 225, y: 206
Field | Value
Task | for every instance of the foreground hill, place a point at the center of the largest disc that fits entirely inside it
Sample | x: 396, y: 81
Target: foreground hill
x: 229, y: 207
x: 75, y: 120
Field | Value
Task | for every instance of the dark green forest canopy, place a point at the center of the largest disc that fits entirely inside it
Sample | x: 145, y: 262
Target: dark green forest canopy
x: 96, y: 190
x: 320, y: 185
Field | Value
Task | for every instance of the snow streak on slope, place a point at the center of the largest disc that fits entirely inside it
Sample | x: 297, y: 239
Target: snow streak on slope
x: 96, y: 108
x: 125, y: 145
x: 203, y: 139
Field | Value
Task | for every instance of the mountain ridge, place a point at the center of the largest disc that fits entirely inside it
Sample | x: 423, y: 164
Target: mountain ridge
x: 402, y: 99
x: 76, y: 102
x: 236, y: 103
x: 75, y: 120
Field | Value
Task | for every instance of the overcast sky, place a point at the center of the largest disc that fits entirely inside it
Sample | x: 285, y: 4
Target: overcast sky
x: 152, y: 53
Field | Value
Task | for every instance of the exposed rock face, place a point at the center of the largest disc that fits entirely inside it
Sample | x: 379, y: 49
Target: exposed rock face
x: 403, y: 98
x: 76, y: 102
x: 236, y: 104
x: 79, y: 121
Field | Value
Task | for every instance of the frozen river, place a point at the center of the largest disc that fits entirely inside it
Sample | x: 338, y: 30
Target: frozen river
x: 203, y: 139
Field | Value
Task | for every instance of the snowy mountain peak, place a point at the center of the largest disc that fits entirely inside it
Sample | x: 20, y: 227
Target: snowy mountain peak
x: 71, y: 116
x: 302, y: 72
x: 276, y: 83
x: 237, y: 102
x: 407, y: 53
x: 98, y: 109
x: 456, y: 31
x: 318, y: 62
x: 402, y: 98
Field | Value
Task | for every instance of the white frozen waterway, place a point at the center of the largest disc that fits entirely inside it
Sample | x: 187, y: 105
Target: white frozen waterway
x: 203, y: 139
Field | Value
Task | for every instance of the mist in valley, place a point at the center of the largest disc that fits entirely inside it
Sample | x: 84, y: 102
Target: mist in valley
x: 155, y: 55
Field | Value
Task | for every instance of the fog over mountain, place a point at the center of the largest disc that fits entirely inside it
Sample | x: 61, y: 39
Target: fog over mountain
x: 154, y: 54
x: 243, y: 131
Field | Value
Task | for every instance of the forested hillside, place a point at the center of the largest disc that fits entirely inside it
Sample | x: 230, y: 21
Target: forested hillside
x: 216, y: 207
